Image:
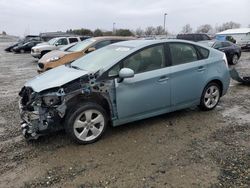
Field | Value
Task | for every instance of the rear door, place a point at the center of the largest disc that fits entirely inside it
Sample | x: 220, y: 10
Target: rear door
x: 188, y: 73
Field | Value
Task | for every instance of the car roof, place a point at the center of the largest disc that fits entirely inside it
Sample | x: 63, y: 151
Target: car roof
x: 144, y: 43
x: 112, y: 37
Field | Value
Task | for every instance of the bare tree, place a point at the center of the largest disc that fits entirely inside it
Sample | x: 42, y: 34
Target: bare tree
x: 159, y: 30
x: 206, y: 28
x: 149, y: 31
x: 139, y: 32
x: 227, y: 25
x: 186, y: 29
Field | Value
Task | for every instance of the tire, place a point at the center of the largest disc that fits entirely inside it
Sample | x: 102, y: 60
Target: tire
x: 80, y: 123
x: 234, y: 59
x: 210, y: 96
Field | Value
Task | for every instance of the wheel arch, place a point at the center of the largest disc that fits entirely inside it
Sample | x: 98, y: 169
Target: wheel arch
x: 217, y: 81
x: 94, y: 98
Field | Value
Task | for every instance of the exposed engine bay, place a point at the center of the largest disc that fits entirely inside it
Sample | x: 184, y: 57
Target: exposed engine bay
x: 44, y: 112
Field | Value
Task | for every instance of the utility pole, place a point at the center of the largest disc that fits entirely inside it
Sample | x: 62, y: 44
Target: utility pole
x: 164, y: 24
x: 113, y: 28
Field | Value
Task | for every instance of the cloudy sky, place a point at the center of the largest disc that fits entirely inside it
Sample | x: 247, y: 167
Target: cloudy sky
x: 21, y: 17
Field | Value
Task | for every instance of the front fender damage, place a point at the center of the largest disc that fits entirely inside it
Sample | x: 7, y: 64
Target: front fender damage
x: 40, y: 118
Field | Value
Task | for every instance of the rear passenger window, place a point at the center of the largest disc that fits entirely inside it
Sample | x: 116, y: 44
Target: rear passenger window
x: 71, y: 40
x: 182, y: 53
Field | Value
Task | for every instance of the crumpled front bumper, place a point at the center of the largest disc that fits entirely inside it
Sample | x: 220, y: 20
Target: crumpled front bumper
x: 38, y: 122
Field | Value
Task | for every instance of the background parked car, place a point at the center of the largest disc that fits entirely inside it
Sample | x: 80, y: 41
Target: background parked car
x: 132, y: 80
x: 28, y: 38
x: 193, y: 37
x: 232, y: 51
x: 53, y: 44
x: 57, y: 58
x: 22, y: 48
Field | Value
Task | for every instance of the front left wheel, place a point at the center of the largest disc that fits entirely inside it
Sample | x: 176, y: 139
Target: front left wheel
x: 86, y: 123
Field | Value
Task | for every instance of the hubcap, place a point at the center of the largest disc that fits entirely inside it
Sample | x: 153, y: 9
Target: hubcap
x: 235, y: 59
x: 212, y: 96
x: 89, y: 125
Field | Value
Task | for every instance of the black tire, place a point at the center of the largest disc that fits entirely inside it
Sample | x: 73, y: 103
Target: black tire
x: 205, y: 100
x: 234, y: 59
x: 75, y: 113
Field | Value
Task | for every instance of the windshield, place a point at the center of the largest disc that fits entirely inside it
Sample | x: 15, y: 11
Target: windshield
x: 80, y: 46
x: 52, y: 41
x: 101, y: 58
x: 64, y: 48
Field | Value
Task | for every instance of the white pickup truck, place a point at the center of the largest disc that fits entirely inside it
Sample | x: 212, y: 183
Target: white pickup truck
x: 39, y: 50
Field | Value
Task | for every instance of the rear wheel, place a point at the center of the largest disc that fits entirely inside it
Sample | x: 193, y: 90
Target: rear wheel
x: 86, y: 123
x: 210, y: 96
x: 235, y: 59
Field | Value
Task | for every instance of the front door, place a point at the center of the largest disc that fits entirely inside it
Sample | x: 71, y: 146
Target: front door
x: 148, y: 92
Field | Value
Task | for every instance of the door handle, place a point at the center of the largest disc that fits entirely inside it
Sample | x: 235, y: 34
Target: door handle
x: 163, y: 78
x: 201, y: 68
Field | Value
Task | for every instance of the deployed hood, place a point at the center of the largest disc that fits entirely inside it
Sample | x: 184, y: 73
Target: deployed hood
x: 54, y: 78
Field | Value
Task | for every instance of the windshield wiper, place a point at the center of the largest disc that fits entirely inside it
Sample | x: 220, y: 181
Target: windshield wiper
x: 75, y: 67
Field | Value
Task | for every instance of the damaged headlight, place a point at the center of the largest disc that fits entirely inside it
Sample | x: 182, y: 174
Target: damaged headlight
x: 53, y: 59
x: 51, y: 100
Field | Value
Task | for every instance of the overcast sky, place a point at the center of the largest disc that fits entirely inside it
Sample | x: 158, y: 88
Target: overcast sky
x: 21, y: 17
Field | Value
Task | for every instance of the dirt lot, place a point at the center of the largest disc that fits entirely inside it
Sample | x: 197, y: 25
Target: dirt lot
x: 188, y: 148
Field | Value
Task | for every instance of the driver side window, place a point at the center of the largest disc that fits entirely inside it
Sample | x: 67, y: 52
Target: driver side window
x: 62, y: 41
x: 149, y: 59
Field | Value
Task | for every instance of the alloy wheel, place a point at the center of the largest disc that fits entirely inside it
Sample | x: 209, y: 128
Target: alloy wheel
x: 89, y: 125
x: 212, y: 96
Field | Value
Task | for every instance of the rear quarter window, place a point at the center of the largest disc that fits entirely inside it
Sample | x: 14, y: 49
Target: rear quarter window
x: 203, y: 52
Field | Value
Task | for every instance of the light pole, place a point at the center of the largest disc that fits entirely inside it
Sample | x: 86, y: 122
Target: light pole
x: 165, y: 14
x: 113, y: 28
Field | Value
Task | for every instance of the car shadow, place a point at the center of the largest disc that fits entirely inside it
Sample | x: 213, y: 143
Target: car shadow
x: 60, y: 138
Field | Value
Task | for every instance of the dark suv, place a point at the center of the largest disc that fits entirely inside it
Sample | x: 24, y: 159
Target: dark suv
x: 193, y: 37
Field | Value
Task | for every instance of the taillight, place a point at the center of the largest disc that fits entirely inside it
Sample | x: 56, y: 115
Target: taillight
x: 225, y: 60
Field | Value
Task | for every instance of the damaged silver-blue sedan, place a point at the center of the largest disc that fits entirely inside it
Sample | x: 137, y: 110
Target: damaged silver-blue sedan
x: 121, y: 83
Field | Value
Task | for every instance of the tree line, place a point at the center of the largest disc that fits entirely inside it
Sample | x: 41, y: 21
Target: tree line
x: 159, y: 30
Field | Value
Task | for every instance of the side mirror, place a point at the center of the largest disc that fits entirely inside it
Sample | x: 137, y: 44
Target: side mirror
x: 57, y: 44
x: 91, y: 49
x: 126, y: 73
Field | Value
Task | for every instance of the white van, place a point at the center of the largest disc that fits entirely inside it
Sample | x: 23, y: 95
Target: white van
x: 241, y: 35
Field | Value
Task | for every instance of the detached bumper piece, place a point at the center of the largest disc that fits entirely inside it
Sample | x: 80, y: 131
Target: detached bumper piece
x: 235, y: 76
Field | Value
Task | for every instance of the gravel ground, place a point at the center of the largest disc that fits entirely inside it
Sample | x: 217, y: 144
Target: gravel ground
x: 188, y: 148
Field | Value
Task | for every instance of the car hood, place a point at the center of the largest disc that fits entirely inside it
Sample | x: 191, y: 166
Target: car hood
x: 43, y: 43
x: 54, y: 53
x: 55, y: 78
x: 43, y: 46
